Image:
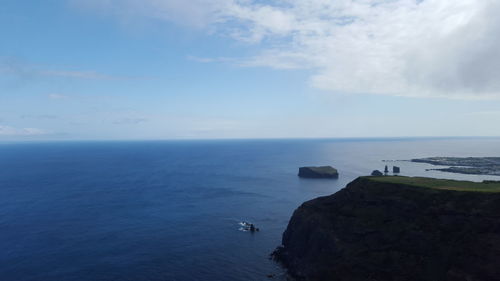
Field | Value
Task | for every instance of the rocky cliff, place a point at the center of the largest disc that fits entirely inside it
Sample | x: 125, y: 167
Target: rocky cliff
x: 376, y: 230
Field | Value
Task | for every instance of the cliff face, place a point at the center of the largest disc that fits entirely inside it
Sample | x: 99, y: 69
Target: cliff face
x: 391, y: 231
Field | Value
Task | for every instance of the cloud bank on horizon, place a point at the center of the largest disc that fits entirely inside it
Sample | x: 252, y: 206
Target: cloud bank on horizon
x: 415, y: 48
x: 11, y: 131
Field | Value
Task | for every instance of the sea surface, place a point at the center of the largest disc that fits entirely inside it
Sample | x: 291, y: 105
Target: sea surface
x: 171, y: 210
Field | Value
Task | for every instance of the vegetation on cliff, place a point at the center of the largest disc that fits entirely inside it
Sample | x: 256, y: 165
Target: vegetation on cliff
x: 443, y: 184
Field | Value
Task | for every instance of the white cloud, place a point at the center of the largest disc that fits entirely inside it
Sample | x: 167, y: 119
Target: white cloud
x: 16, y: 68
x: 11, y: 131
x: 57, y: 96
x: 430, y: 48
x: 208, y: 60
x: 78, y: 74
x: 130, y: 121
x: 39, y: 117
x: 486, y: 113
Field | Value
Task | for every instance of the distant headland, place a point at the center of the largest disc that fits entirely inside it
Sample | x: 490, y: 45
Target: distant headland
x: 465, y: 165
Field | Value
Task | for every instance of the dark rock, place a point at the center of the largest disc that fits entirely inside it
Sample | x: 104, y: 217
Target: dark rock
x: 318, y: 172
x: 253, y: 228
x: 396, y: 170
x: 394, y: 232
x: 377, y: 173
x: 249, y: 227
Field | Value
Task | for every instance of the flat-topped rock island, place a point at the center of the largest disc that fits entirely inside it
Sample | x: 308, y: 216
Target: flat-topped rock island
x: 397, y: 228
x: 318, y: 172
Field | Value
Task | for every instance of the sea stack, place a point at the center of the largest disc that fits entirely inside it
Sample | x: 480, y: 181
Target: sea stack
x: 318, y: 172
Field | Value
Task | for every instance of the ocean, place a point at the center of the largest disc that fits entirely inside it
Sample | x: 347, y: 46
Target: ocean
x: 172, y: 210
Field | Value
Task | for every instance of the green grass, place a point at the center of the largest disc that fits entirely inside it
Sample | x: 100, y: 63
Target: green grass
x: 442, y: 184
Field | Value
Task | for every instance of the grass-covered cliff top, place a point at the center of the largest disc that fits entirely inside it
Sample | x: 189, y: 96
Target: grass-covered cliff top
x: 442, y: 184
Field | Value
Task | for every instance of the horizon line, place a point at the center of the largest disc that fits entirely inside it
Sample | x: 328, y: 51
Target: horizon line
x: 249, y: 139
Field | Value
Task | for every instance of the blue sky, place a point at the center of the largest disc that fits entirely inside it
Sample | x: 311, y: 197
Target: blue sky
x: 167, y: 69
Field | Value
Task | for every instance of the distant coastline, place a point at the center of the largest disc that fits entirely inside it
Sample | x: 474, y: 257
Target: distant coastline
x: 464, y: 165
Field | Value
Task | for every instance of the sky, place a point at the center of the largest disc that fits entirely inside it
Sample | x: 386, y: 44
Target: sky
x: 216, y: 69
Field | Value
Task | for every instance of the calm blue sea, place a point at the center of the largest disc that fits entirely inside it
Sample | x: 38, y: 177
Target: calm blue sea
x: 91, y: 211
